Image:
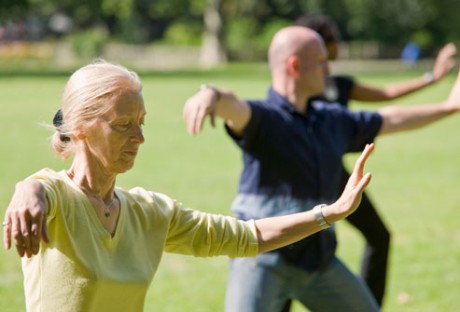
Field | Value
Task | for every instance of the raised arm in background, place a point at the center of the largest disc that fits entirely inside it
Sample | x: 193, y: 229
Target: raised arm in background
x: 444, y: 63
x: 403, y: 118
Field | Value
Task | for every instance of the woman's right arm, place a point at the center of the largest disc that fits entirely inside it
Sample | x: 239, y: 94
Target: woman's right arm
x: 25, y: 218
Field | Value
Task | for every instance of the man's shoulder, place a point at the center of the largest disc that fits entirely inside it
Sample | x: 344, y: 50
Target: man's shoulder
x: 268, y: 107
x: 273, y: 100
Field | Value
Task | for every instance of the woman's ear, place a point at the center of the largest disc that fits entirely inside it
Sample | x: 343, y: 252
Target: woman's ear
x: 79, y: 135
x: 293, y: 66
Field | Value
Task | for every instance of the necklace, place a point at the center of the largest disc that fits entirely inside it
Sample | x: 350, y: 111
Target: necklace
x: 107, y: 211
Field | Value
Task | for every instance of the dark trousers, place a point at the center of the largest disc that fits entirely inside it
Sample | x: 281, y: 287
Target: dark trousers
x: 375, y: 259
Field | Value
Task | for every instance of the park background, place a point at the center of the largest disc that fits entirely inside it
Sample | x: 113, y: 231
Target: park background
x: 176, y: 45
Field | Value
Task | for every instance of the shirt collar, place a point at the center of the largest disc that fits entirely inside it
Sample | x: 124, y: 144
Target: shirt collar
x: 276, y: 99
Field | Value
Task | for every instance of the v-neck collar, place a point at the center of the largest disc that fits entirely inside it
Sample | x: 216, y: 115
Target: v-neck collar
x: 110, y: 239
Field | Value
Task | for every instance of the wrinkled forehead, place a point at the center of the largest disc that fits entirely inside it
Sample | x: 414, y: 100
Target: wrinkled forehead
x: 128, y: 103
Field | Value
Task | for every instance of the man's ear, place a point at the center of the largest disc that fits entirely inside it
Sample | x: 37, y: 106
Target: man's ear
x: 293, y: 66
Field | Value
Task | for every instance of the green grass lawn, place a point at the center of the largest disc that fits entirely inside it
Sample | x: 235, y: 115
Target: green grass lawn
x: 415, y: 185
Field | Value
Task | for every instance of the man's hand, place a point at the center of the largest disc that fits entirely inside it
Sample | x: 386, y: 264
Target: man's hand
x: 453, y: 101
x: 197, y: 107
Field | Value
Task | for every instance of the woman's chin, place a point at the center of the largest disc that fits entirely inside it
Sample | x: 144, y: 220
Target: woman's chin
x: 125, y: 166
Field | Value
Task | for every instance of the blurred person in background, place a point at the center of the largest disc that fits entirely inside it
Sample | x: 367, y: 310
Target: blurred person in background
x: 89, y: 246
x: 342, y: 89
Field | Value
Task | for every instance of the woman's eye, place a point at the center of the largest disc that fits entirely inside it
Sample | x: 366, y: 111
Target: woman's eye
x: 124, y: 125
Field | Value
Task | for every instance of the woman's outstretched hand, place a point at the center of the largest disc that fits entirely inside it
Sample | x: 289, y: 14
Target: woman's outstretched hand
x: 351, y: 195
x: 279, y: 231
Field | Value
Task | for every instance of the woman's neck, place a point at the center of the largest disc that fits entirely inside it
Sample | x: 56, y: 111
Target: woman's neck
x: 92, y: 180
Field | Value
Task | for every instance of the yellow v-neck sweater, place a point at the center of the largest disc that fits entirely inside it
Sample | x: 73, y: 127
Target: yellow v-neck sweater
x: 83, y: 268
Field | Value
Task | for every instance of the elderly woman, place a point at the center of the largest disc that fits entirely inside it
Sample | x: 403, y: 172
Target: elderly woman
x: 91, y: 246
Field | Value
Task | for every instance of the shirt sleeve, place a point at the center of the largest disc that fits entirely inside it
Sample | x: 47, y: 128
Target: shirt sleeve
x: 344, y: 86
x: 203, y: 234
x: 365, y: 127
x: 255, y: 129
x: 49, y: 179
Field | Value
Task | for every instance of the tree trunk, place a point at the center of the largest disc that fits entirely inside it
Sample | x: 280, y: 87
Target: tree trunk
x: 212, y: 49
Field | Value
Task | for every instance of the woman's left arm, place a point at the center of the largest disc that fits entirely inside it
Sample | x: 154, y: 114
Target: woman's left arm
x: 277, y: 232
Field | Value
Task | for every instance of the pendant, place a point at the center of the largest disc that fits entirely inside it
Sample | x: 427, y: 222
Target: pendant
x: 107, y: 213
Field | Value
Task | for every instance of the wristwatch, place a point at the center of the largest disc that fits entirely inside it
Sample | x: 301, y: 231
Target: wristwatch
x: 318, y: 211
x: 216, y: 91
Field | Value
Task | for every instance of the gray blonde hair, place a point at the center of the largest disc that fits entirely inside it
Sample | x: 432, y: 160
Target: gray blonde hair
x: 86, y: 96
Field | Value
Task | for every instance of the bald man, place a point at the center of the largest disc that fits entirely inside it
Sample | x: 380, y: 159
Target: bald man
x: 292, y: 153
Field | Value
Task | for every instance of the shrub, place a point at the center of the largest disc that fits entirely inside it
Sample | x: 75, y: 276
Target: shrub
x: 89, y: 43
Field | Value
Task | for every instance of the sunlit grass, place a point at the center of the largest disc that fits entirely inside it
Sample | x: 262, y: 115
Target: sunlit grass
x: 415, y: 186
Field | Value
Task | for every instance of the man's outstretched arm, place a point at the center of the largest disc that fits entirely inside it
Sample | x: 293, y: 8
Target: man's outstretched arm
x: 211, y: 101
x: 404, y: 118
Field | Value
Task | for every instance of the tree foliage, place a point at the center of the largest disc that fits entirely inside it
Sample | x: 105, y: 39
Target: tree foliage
x: 390, y: 23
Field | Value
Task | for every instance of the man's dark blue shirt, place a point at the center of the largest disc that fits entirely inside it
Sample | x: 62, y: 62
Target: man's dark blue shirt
x: 293, y: 160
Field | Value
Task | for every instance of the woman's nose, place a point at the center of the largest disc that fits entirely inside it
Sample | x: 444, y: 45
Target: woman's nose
x: 138, y: 135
